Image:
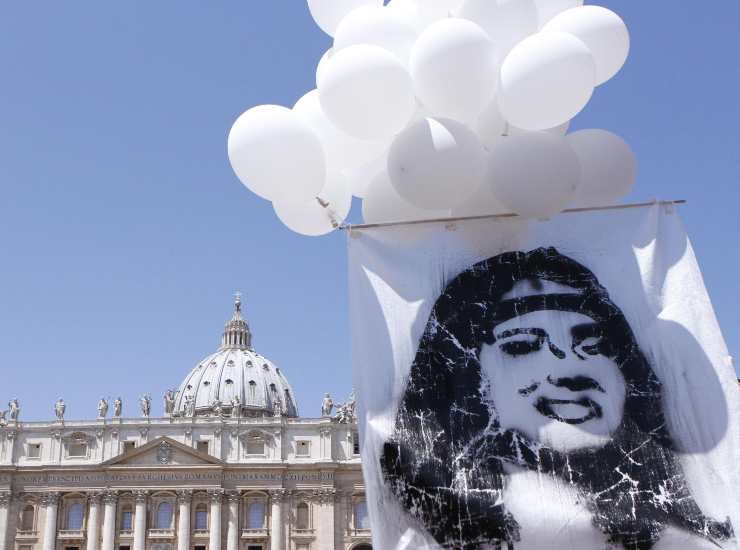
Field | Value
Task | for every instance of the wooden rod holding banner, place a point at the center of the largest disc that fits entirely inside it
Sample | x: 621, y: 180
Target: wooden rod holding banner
x: 349, y: 227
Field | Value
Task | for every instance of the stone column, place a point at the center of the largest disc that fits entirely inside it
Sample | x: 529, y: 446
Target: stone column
x: 5, y: 497
x: 183, y: 527
x: 232, y: 535
x: 110, y: 500
x: 277, y: 531
x: 93, y: 522
x: 215, y: 524
x: 51, y: 502
x: 325, y: 527
x: 140, y: 520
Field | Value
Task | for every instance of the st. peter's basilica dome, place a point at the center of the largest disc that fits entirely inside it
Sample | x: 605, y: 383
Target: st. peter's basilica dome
x: 236, y: 380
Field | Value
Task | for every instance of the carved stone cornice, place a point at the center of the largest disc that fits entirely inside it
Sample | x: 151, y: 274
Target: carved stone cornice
x: 5, y: 498
x: 184, y: 496
x: 141, y: 496
x: 110, y: 497
x: 279, y: 495
x: 234, y: 496
x: 216, y: 495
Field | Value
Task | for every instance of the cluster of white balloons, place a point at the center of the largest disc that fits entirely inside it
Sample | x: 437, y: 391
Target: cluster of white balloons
x: 438, y: 108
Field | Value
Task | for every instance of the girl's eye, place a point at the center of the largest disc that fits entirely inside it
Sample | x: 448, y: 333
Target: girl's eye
x: 521, y: 347
x: 591, y: 346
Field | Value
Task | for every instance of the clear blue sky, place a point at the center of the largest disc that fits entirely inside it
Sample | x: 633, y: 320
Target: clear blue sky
x: 123, y: 231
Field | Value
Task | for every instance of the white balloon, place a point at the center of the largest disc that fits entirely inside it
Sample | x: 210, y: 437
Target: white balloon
x: 454, y: 67
x: 319, y: 215
x: 602, y: 30
x: 481, y: 203
x: 379, y: 26
x: 422, y: 13
x: 546, y: 80
x: 360, y: 178
x: 557, y: 130
x: 382, y: 203
x: 506, y: 21
x: 344, y: 153
x: 322, y: 64
x: 276, y: 154
x: 608, y: 165
x: 329, y: 13
x: 366, y: 92
x: 535, y: 174
x: 491, y: 127
x: 436, y: 163
x: 547, y: 9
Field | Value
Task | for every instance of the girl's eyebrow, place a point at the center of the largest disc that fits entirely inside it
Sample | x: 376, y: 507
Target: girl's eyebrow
x: 541, y: 333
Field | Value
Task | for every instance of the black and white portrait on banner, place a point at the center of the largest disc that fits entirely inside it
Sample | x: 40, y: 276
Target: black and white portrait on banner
x: 526, y: 364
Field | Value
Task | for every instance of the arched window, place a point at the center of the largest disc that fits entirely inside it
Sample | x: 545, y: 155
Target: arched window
x: 302, y: 518
x: 127, y: 516
x: 201, y: 517
x: 252, y: 396
x: 75, y: 516
x: 362, y: 519
x: 164, y: 515
x: 256, y: 515
x: 27, y: 517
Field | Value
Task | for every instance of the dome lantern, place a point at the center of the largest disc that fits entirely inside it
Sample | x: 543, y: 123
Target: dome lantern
x: 236, y: 332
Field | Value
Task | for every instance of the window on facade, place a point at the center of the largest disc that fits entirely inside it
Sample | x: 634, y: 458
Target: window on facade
x: 25, y: 547
x: 255, y: 445
x: 252, y: 393
x: 201, y: 517
x: 164, y: 515
x: 127, y: 517
x: 202, y: 447
x: 75, y: 516
x: 255, y: 547
x: 126, y: 547
x: 303, y: 448
x: 129, y: 446
x: 302, y: 547
x: 362, y: 519
x: 27, y: 516
x: 256, y: 515
x: 301, y: 514
x: 355, y: 443
x: 34, y: 450
x: 77, y: 449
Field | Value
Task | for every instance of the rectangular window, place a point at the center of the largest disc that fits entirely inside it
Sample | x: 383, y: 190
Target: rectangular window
x: 200, y: 548
x: 355, y: 443
x: 34, y: 450
x: 302, y: 547
x: 254, y: 547
x: 127, y: 517
x: 124, y: 548
x: 76, y: 450
x: 255, y: 445
x: 25, y: 547
x: 202, y: 447
x: 303, y: 448
x: 129, y: 446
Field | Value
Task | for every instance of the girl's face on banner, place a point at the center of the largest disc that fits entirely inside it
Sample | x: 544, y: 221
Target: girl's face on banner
x: 549, y: 379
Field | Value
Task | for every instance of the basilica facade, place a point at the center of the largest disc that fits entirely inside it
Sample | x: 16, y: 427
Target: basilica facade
x: 231, y: 466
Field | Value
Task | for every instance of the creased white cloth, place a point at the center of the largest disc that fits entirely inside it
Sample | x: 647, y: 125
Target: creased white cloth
x: 556, y: 377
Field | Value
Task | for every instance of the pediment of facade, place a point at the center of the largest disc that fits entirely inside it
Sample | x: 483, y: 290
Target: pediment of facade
x: 164, y: 452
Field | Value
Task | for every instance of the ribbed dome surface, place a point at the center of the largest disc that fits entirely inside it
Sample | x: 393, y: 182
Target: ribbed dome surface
x: 236, y: 371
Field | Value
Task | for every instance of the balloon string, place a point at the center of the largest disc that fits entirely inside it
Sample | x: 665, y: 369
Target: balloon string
x: 332, y: 217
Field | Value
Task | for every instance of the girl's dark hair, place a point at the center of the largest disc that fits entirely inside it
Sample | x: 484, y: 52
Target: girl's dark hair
x: 445, y: 460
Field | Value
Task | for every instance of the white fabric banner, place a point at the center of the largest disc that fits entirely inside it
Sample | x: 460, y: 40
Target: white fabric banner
x: 559, y: 384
